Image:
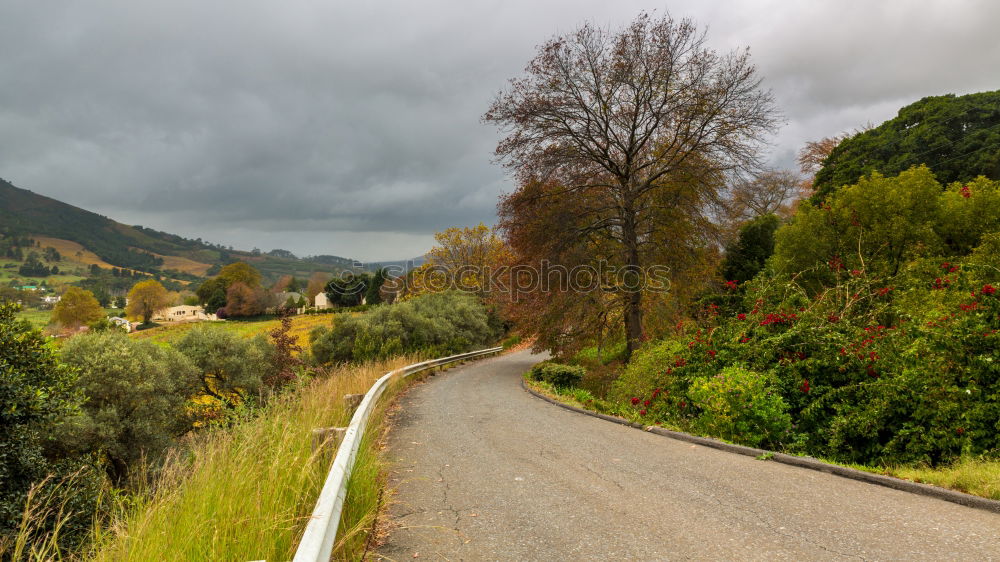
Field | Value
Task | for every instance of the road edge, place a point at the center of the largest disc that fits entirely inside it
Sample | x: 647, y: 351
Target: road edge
x: 810, y: 463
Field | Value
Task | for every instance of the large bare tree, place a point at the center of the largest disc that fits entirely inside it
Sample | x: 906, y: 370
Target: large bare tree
x: 620, y: 119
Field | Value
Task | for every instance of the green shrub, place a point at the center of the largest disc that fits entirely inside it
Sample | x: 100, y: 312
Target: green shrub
x: 436, y: 324
x: 135, y: 396
x: 232, y: 369
x: 37, y: 391
x: 651, y: 367
x: 557, y: 374
x: 740, y: 405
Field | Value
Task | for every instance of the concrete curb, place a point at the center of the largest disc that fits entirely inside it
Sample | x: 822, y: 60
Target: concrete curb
x: 810, y: 463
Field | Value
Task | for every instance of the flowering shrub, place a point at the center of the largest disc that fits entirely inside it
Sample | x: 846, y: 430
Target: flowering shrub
x: 743, y: 405
x: 871, y: 337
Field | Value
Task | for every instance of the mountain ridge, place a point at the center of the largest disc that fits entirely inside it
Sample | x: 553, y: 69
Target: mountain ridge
x: 24, y: 212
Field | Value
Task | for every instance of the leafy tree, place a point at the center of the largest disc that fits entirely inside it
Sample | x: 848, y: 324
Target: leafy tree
x: 462, y: 259
x: 145, y: 299
x: 622, y: 123
x: 317, y: 281
x: 348, y: 289
x: 215, y: 292
x: 36, y: 390
x: 51, y: 254
x: 240, y: 272
x: 373, y: 294
x: 135, y: 396
x: 77, y: 307
x: 879, y: 224
x: 957, y: 137
x: 33, y: 266
x: 212, y: 294
x: 242, y: 300
x: 232, y: 368
x: 754, y: 245
x: 102, y: 296
x: 769, y: 193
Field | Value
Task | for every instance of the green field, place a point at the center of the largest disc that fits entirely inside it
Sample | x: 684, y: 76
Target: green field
x: 74, y: 272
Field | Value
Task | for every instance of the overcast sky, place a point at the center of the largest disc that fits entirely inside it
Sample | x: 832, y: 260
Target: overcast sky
x: 353, y: 128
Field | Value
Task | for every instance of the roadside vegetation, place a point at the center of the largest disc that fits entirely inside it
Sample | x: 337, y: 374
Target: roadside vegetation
x: 848, y: 312
x: 193, y: 439
x: 246, y: 492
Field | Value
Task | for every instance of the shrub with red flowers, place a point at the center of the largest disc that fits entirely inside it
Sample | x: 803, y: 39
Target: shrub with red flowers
x: 865, y: 375
x: 876, y: 324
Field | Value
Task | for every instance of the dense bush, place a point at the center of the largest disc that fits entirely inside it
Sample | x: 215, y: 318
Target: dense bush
x: 884, y: 355
x: 438, y: 324
x: 738, y: 404
x: 231, y: 369
x: 557, y: 374
x: 135, y: 394
x: 36, y: 391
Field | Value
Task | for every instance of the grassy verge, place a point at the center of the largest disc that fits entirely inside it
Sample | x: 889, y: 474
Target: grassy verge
x: 979, y: 477
x: 246, y: 493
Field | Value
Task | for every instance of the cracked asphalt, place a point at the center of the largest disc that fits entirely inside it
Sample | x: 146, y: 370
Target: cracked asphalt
x: 485, y: 471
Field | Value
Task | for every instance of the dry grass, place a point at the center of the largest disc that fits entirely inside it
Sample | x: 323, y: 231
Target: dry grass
x: 182, y: 264
x: 69, y: 250
x: 246, y: 493
x: 75, y: 253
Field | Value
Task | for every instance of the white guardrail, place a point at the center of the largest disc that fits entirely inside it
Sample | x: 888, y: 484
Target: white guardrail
x: 321, y: 532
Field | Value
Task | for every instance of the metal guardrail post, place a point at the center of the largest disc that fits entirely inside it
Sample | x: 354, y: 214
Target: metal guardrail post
x: 321, y: 531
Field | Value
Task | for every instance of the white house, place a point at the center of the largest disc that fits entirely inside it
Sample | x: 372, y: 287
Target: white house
x: 121, y: 323
x: 183, y: 313
x: 321, y: 301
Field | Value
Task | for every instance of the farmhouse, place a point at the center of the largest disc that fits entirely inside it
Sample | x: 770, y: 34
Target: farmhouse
x: 321, y: 301
x: 184, y: 313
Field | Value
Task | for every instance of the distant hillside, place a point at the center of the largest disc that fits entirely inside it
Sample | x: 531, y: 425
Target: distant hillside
x: 957, y: 137
x: 23, y: 212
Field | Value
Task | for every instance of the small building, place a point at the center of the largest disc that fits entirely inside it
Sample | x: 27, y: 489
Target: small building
x: 183, y: 313
x: 281, y: 300
x: 121, y: 323
x: 321, y: 301
x: 51, y: 299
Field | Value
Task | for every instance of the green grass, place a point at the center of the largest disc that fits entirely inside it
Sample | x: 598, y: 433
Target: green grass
x: 980, y: 477
x: 246, y: 493
x: 37, y: 318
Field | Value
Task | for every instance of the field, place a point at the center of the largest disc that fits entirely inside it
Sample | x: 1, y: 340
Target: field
x: 301, y: 326
x: 40, y: 318
x: 184, y: 265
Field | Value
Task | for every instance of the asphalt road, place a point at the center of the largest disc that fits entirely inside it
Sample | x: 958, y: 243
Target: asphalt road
x: 485, y: 471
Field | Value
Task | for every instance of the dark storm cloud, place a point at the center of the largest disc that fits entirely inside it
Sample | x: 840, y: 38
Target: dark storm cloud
x: 353, y: 128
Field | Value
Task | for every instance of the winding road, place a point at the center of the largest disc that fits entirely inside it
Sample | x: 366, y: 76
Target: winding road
x: 485, y: 471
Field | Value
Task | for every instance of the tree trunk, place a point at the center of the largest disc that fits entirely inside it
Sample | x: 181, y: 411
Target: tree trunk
x: 633, y: 323
x: 633, y: 295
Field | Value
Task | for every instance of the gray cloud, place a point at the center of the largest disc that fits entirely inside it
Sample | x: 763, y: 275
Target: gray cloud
x: 353, y: 129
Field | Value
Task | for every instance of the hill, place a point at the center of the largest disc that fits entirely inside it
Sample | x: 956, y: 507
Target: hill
x: 90, y: 238
x: 957, y: 137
